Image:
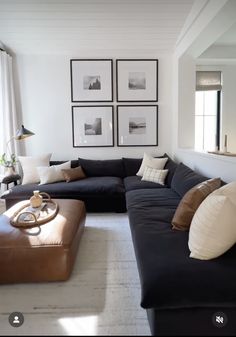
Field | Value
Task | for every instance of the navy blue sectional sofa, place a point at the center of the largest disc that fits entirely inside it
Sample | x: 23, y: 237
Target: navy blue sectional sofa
x: 182, y: 296
x: 102, y: 191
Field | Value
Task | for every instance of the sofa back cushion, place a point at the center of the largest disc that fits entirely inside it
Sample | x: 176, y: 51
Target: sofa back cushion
x: 185, y: 178
x: 171, y: 167
x: 74, y: 163
x: 132, y: 166
x: 103, y: 168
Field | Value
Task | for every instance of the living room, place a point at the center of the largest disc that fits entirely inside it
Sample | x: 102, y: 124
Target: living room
x: 116, y: 92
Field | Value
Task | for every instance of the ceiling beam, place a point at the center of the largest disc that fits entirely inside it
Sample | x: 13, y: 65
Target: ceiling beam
x: 215, y: 18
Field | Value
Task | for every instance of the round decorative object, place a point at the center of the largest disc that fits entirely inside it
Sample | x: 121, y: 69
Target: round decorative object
x: 27, y: 216
x: 36, y: 200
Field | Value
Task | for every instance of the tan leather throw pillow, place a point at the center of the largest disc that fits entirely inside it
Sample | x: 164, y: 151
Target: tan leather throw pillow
x: 76, y: 173
x: 191, y: 201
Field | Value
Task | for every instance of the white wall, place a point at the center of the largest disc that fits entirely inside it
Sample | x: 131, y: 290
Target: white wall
x: 43, y: 98
x: 229, y: 106
x: 186, y: 102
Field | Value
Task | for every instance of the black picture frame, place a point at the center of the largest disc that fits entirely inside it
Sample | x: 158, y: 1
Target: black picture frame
x: 81, y: 91
x: 142, y: 89
x: 82, y: 124
x: 137, y: 137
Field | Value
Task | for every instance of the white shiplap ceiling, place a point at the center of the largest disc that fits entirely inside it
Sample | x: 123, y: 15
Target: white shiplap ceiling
x: 69, y: 27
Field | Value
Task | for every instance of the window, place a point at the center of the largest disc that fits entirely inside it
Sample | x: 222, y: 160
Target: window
x: 207, y: 120
x: 207, y: 110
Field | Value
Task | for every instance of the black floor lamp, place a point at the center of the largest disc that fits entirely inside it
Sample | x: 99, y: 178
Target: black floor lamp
x: 21, y: 134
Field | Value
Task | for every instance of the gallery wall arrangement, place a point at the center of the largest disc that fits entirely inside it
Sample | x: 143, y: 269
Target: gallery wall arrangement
x: 136, y: 81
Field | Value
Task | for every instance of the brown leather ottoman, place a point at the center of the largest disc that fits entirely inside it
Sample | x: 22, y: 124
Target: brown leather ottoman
x: 48, y: 255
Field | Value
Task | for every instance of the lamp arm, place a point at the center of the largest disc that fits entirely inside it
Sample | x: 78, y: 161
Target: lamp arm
x: 7, y: 144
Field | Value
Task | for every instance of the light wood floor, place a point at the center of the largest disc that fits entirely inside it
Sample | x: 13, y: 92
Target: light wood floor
x: 101, y: 298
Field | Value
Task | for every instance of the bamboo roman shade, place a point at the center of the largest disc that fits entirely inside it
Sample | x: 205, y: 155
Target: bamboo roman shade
x: 208, y: 80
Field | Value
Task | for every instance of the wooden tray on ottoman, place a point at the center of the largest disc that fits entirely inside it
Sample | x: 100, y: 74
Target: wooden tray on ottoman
x: 28, y: 217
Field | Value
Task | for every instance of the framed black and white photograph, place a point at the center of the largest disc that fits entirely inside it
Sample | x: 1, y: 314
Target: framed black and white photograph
x: 92, y: 126
x: 137, y: 125
x: 91, y: 80
x: 137, y: 80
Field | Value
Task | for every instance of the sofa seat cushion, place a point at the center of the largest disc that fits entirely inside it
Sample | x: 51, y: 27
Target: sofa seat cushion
x: 74, y: 189
x: 169, y: 277
x: 135, y: 183
x: 159, y: 197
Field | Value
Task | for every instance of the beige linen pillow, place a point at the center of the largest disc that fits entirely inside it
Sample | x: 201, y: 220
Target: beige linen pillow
x: 156, y: 163
x: 213, y: 228
x: 52, y: 174
x: 29, y: 167
x: 76, y: 173
x: 191, y: 201
x: 154, y: 175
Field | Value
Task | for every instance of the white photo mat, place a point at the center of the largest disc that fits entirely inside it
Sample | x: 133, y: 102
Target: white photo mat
x: 92, y: 126
x: 91, y: 80
x: 137, y: 80
x: 137, y: 125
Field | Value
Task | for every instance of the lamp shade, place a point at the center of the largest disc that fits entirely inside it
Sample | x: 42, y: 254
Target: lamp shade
x: 23, y: 133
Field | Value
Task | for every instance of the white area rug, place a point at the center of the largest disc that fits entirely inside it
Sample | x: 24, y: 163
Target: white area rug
x: 101, y: 298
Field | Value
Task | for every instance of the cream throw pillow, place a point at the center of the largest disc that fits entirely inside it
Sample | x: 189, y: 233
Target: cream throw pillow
x: 154, y: 175
x: 156, y: 163
x: 213, y: 228
x: 52, y: 174
x: 29, y: 167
